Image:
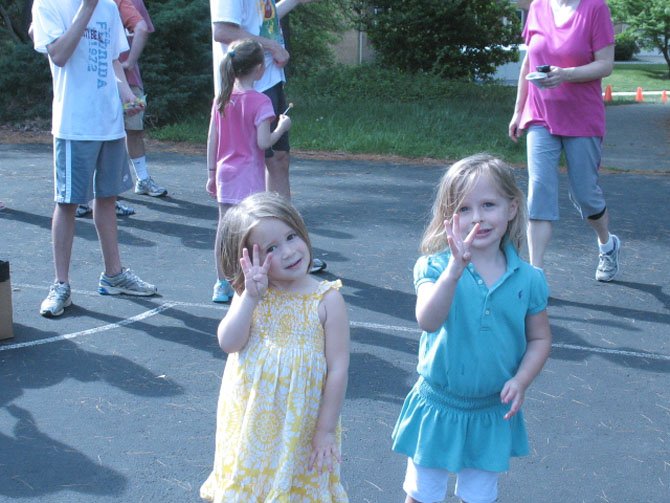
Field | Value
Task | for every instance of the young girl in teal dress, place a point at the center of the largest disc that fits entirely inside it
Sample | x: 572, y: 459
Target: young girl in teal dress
x: 485, y: 337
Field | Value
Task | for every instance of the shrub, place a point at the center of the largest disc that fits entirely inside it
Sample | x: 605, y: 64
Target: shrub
x: 625, y: 46
x: 453, y: 39
x: 177, y: 61
x: 25, y: 83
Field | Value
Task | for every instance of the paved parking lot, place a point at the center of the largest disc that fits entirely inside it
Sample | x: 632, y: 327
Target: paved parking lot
x: 115, y: 401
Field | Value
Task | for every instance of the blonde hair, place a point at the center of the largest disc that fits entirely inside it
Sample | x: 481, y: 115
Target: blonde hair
x: 456, y: 184
x: 242, y: 58
x: 239, y: 221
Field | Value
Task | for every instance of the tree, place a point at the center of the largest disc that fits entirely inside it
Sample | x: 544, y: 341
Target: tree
x: 451, y: 38
x: 176, y: 65
x: 649, y: 19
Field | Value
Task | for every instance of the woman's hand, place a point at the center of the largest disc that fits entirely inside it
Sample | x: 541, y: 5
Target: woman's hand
x: 513, y: 130
x: 210, y: 187
x: 555, y: 77
x: 324, y: 453
x: 255, y: 275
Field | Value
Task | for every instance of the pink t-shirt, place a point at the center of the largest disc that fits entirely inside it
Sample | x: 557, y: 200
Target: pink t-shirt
x: 240, y: 164
x: 571, y: 109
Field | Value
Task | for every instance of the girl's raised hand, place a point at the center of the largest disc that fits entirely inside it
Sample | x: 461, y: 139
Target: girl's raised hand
x: 324, y: 453
x: 255, y: 275
x: 460, y: 248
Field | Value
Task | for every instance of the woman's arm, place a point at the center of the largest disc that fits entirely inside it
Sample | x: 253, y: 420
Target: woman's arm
x: 538, y: 337
x: 325, y: 451
x: 521, y: 96
x: 599, y: 68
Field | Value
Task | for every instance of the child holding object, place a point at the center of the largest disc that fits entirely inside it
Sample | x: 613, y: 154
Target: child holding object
x: 485, y: 337
x: 287, y: 339
x: 239, y: 134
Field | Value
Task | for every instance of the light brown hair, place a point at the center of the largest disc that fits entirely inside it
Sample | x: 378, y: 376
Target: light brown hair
x: 242, y: 58
x: 238, y: 223
x: 455, y: 185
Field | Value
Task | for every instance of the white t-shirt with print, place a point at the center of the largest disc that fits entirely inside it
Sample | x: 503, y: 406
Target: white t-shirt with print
x: 258, y: 17
x: 86, y: 102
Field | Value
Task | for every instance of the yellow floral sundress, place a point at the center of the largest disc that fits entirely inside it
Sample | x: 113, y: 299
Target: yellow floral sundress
x: 268, y: 407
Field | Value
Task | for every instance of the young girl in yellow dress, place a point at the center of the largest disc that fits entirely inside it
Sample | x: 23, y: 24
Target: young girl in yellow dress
x: 287, y: 339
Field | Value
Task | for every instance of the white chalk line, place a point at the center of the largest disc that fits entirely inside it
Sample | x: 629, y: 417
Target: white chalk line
x: 354, y: 324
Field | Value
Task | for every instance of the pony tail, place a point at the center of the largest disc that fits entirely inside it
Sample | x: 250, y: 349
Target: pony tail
x: 227, y: 83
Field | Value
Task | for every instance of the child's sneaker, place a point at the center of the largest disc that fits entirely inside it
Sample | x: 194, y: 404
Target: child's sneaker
x: 57, y: 300
x: 150, y: 188
x: 222, y: 291
x: 608, y: 265
x: 318, y: 265
x: 83, y: 210
x: 125, y: 282
x: 122, y: 210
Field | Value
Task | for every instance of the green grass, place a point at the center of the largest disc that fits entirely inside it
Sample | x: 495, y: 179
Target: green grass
x: 367, y: 110
x: 628, y: 77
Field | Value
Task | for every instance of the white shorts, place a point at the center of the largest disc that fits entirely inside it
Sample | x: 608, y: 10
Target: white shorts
x: 429, y: 485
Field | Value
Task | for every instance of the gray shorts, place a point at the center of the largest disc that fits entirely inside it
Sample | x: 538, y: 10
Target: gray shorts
x: 84, y: 170
x: 279, y: 104
x: 583, y: 158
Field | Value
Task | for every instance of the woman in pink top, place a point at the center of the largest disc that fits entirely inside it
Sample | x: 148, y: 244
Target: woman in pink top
x: 565, y: 113
x: 239, y: 134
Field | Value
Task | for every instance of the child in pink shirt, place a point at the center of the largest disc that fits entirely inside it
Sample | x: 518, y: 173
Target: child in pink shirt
x: 239, y: 134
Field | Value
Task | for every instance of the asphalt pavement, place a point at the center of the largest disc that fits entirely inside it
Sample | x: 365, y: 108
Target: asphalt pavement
x: 116, y: 400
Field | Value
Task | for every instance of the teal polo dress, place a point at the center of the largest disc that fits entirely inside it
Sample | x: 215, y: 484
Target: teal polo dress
x: 453, y: 417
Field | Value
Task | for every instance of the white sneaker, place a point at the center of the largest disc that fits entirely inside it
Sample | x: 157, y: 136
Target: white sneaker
x: 150, y: 188
x: 57, y: 300
x: 125, y: 282
x: 608, y: 265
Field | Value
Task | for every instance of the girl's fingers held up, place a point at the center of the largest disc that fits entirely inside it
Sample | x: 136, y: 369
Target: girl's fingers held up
x: 471, y: 235
x: 255, y: 260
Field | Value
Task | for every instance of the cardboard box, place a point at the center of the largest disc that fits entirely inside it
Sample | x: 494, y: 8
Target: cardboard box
x: 6, y: 313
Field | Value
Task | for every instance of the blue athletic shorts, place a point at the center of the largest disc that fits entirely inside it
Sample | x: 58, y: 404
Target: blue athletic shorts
x: 84, y: 170
x: 583, y: 156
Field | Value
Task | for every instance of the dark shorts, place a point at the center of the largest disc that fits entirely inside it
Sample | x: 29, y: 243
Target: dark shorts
x: 279, y: 104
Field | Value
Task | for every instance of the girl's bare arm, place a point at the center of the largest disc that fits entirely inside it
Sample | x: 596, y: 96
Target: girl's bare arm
x: 325, y: 451
x: 538, y: 337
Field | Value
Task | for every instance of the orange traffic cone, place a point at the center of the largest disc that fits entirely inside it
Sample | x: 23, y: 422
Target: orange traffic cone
x: 638, y: 95
x: 608, y: 93
x: 664, y: 97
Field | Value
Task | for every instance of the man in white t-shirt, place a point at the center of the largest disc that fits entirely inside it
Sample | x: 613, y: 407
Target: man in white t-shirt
x: 83, y: 39
x: 259, y: 20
